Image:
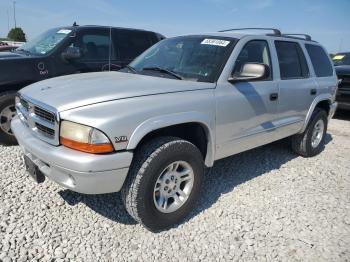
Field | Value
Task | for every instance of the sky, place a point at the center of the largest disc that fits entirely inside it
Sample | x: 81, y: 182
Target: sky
x: 327, y: 21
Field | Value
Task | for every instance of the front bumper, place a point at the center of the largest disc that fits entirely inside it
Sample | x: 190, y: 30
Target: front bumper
x: 77, y: 171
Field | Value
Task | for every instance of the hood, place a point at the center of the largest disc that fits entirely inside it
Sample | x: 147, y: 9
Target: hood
x: 343, y: 70
x: 68, y: 92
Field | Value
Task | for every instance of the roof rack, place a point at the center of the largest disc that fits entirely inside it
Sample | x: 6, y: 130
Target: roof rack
x: 306, y: 37
x: 274, y: 30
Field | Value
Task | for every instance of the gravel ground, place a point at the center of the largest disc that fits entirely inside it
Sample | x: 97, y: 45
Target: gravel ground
x: 263, y: 205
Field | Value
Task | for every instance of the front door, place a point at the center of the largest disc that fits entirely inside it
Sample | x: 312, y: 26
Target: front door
x: 94, y: 45
x: 246, y: 110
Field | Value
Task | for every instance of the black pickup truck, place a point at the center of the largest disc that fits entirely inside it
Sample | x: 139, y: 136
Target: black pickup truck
x: 63, y: 51
x: 342, y: 67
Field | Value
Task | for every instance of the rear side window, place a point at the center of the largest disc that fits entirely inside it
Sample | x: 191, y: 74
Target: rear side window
x: 131, y: 44
x: 291, y: 60
x: 320, y: 60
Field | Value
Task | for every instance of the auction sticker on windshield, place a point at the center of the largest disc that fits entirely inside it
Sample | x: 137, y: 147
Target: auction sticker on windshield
x: 64, y: 31
x: 216, y: 42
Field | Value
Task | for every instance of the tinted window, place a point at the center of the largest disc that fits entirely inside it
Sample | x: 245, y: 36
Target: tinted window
x: 256, y: 51
x: 291, y: 60
x: 93, y: 46
x: 130, y: 44
x: 320, y: 60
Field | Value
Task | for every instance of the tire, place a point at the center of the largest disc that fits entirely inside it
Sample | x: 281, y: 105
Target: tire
x: 149, y: 163
x: 7, y: 112
x: 302, y: 143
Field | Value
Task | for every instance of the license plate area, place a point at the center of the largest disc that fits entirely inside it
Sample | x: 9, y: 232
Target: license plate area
x: 33, y: 170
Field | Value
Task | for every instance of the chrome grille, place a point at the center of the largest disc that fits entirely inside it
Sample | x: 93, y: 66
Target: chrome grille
x: 48, y: 116
x: 40, y: 118
x: 45, y: 130
x: 24, y: 104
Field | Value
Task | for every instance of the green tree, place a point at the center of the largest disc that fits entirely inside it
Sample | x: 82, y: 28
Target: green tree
x: 17, y: 34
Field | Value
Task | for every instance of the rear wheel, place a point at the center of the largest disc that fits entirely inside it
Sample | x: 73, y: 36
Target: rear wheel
x: 7, y: 112
x: 164, y: 182
x: 311, y: 141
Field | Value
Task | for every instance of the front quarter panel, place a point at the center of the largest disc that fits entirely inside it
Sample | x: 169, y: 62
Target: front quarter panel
x: 23, y: 71
x: 127, y: 121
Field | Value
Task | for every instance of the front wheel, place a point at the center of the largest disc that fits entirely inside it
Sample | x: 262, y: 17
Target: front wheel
x: 7, y: 112
x: 163, y: 183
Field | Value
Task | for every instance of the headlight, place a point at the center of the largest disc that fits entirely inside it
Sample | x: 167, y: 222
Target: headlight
x: 84, y: 138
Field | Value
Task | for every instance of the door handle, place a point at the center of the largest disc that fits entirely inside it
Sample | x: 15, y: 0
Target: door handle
x: 273, y: 96
x: 313, y: 91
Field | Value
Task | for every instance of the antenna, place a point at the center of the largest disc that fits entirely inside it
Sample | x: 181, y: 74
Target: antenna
x: 274, y: 30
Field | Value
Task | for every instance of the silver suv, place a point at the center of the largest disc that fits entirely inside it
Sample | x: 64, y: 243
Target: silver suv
x: 150, y: 129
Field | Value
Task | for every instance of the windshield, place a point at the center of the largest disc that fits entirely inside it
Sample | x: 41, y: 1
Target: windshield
x: 45, y: 42
x: 197, y: 58
x: 341, y: 59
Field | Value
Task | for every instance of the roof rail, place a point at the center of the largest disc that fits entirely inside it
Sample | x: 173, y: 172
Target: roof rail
x: 274, y: 30
x: 306, y: 37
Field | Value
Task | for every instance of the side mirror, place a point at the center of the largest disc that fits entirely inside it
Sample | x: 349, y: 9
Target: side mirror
x: 71, y: 53
x: 251, y: 72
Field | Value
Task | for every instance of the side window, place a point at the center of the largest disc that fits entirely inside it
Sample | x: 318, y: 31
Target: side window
x: 256, y: 51
x: 93, y: 46
x: 320, y: 60
x: 291, y: 60
x: 131, y: 44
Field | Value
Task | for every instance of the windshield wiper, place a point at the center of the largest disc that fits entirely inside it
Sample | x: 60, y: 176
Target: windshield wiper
x: 163, y: 70
x: 24, y: 51
x: 131, y: 69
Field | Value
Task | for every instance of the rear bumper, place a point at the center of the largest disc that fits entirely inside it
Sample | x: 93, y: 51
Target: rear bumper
x: 77, y: 171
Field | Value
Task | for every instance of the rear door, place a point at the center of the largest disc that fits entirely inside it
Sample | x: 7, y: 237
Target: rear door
x: 297, y: 89
x: 128, y: 44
